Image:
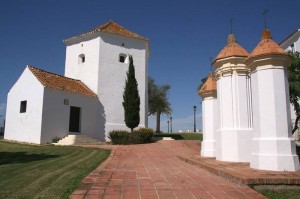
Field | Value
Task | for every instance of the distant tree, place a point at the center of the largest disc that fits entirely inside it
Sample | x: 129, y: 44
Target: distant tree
x: 131, y: 98
x: 203, y: 80
x: 158, y: 101
x: 294, y: 85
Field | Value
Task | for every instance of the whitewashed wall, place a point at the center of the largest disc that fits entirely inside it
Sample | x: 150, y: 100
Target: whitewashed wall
x: 24, y: 127
x: 87, y: 71
x: 56, y: 115
x: 209, y: 123
x: 112, y: 75
x: 272, y: 145
x: 105, y: 75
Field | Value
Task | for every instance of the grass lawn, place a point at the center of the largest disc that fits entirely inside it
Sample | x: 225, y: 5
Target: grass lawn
x: 28, y: 171
x: 181, y: 136
x: 281, y: 193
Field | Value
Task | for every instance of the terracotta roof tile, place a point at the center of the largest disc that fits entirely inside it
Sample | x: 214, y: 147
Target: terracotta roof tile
x: 52, y: 80
x: 232, y: 49
x: 266, y: 46
x: 113, y: 28
x: 209, y: 87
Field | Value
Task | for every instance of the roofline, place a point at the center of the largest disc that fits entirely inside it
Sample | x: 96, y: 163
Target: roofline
x: 297, y: 30
x: 52, y: 73
x: 95, y: 30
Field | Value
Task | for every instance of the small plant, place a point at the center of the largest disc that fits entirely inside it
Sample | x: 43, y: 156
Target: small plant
x: 119, y: 137
x: 140, y: 136
x: 55, y: 139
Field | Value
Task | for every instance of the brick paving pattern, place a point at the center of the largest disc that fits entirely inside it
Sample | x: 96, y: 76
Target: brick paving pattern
x: 242, y: 173
x: 150, y: 171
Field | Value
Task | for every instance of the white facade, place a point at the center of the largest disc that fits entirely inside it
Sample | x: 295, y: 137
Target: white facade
x: 46, y: 115
x: 272, y: 145
x: 235, y: 127
x: 25, y: 127
x: 91, y: 106
x: 209, y: 125
x: 105, y: 74
x: 56, y: 115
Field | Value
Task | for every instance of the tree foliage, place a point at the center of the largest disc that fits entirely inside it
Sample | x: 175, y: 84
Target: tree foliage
x: 203, y: 80
x: 294, y: 84
x: 131, y: 98
x: 158, y: 101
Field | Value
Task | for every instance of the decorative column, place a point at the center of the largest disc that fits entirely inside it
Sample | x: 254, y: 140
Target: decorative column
x: 208, y: 92
x: 272, y: 145
x: 234, y: 135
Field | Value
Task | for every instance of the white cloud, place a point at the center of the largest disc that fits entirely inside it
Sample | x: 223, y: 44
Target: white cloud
x: 184, y: 124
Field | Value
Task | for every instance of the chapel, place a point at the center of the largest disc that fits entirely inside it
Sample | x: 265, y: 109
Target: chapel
x: 87, y: 99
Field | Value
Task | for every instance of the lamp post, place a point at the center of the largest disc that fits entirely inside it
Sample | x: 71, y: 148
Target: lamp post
x: 168, y: 125
x: 194, y: 107
x: 171, y: 123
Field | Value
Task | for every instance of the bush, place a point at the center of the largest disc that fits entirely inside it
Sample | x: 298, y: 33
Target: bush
x: 140, y: 136
x: 55, y: 139
x: 119, y: 137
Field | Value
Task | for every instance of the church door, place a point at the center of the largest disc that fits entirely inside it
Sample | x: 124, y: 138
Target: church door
x: 74, y: 124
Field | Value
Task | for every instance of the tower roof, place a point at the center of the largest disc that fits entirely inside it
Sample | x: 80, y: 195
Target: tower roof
x: 232, y: 49
x: 266, y: 46
x: 110, y: 27
x: 52, y: 80
x: 209, y: 88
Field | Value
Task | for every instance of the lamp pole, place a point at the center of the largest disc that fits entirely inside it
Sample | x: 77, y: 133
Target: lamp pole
x: 171, y: 123
x: 194, y: 107
x: 168, y: 125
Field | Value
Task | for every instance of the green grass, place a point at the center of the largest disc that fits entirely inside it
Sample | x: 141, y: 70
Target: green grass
x: 28, y: 171
x: 181, y: 136
x: 281, y: 194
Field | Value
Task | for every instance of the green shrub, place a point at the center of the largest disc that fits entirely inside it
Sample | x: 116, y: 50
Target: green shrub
x: 55, y: 139
x: 140, y: 136
x: 119, y: 137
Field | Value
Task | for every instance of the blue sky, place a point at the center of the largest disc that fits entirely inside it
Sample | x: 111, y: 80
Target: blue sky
x: 184, y: 35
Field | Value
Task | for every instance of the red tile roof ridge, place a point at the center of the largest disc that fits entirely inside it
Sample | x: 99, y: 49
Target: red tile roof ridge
x: 266, y: 46
x: 232, y: 49
x: 115, y: 29
x: 60, y: 82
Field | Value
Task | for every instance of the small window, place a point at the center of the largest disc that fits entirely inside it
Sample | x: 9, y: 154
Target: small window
x: 23, y: 106
x: 122, y: 58
x: 81, y: 58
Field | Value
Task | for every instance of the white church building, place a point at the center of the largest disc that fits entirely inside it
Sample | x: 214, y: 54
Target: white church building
x: 88, y: 99
x: 246, y: 108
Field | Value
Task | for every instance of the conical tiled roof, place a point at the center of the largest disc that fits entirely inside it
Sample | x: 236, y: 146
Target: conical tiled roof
x: 266, y: 46
x: 232, y: 49
x: 110, y: 27
x: 209, y: 87
x: 52, y: 80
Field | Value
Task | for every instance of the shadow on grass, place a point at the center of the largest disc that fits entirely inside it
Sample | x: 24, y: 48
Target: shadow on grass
x: 22, y: 157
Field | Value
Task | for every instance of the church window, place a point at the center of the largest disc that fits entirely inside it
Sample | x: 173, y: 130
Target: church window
x: 123, y: 58
x: 23, y: 106
x: 81, y: 58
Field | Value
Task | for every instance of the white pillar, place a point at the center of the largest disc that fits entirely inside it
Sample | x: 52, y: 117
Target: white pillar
x: 208, y: 93
x: 233, y: 138
x: 272, y: 145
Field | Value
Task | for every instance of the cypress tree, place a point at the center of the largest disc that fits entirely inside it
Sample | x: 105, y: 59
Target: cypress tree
x: 131, y: 98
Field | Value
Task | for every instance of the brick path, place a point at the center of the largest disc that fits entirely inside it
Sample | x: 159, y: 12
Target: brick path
x: 152, y: 171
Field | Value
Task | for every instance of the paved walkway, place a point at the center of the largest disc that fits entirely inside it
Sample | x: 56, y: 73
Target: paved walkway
x: 150, y: 171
